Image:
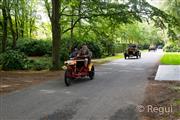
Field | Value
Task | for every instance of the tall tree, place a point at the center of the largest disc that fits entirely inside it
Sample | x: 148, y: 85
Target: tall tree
x: 56, y: 33
x: 5, y: 23
x: 9, y: 8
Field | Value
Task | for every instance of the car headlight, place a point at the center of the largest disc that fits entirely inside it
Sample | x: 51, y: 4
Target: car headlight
x: 64, y: 67
x: 70, y: 62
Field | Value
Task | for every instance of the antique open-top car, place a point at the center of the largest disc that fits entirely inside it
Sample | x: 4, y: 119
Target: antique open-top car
x: 75, y: 68
x: 132, y: 51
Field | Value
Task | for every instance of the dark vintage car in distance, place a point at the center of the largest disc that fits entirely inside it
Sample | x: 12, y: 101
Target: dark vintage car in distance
x: 132, y: 51
x: 160, y: 47
x: 152, y: 48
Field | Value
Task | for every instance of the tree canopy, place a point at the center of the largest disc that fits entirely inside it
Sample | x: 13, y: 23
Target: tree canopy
x: 106, y: 23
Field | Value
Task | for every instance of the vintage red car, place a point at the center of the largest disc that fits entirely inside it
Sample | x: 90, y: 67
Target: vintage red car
x: 75, y: 68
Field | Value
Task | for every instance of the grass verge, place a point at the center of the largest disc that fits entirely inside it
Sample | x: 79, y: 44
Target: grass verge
x: 108, y: 59
x: 171, y: 59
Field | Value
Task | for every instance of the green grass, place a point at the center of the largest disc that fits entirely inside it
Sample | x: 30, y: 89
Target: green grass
x: 171, y: 59
x: 108, y: 59
x: 177, y: 103
x: 144, y: 51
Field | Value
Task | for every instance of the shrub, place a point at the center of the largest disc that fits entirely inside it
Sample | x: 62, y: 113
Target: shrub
x: 39, y: 63
x: 96, y: 48
x: 143, y: 46
x: 1, y: 59
x: 121, y: 47
x: 64, y: 54
x: 35, y: 47
x: 172, y: 47
x: 14, y: 60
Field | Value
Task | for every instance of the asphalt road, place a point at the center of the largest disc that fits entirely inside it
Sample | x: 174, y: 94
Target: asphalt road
x: 117, y: 89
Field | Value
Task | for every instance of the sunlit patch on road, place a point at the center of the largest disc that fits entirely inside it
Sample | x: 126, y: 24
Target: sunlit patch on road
x: 48, y: 91
x: 68, y: 92
x: 138, y: 68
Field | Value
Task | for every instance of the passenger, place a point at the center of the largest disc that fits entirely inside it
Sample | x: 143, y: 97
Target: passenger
x: 86, y: 54
x: 74, y: 53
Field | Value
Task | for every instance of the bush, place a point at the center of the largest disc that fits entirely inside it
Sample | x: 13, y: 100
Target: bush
x: 1, y: 59
x: 96, y: 48
x: 14, y: 60
x: 172, y: 47
x: 143, y: 46
x: 35, y: 47
x: 39, y: 63
x: 121, y: 48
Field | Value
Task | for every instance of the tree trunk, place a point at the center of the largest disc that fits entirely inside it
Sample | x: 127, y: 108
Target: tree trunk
x: 72, y: 23
x: 5, y: 20
x: 56, y: 33
x: 12, y: 30
x: 79, y: 14
x: 16, y: 22
x: 69, y: 43
x: 22, y: 28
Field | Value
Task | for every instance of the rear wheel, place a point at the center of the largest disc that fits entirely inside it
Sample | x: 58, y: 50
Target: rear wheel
x: 91, y: 73
x: 67, y: 80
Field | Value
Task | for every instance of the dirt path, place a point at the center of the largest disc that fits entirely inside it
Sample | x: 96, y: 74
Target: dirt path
x: 164, y: 95
x: 17, y: 80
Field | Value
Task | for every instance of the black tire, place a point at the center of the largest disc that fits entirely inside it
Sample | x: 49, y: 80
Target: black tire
x: 125, y: 56
x: 67, y: 80
x: 137, y: 56
x: 92, y: 73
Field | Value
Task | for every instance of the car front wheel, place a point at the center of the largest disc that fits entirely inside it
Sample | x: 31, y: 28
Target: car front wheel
x: 67, y: 79
x: 92, y: 73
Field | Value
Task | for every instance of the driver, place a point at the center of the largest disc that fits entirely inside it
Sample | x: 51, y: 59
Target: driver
x: 86, y: 54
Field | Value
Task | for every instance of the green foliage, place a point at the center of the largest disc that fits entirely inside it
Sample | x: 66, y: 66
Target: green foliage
x: 172, y: 47
x: 106, y: 26
x: 96, y: 48
x: 1, y: 59
x: 41, y: 63
x: 121, y: 48
x: 35, y: 47
x: 94, y: 45
x: 64, y: 53
x: 172, y: 7
x: 13, y: 60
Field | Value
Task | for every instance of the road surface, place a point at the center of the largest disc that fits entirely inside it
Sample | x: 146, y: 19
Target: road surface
x: 117, y: 89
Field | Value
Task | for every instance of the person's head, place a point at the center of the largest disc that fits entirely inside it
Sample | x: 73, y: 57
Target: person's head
x: 75, y: 49
x: 84, y: 47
